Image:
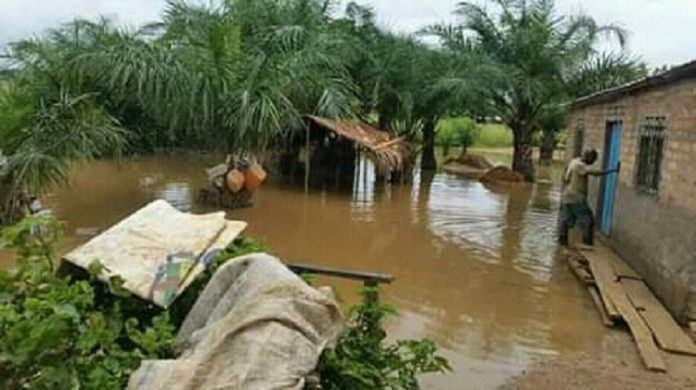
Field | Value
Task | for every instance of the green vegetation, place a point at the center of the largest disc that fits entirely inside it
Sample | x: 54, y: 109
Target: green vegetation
x: 362, y: 359
x: 61, y: 333
x: 462, y: 131
x: 494, y: 135
x: 524, y: 55
x: 41, y: 131
x: 67, y: 332
x: 239, y: 77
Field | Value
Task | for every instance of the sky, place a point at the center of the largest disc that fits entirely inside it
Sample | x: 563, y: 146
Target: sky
x: 661, y: 31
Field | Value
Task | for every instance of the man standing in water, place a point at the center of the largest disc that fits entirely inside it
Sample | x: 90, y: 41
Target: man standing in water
x: 574, y: 206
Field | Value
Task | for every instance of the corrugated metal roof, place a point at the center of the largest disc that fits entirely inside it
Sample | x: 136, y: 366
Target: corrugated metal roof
x: 675, y: 74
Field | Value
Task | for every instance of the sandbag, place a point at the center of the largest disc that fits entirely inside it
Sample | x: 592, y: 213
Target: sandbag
x: 256, y: 325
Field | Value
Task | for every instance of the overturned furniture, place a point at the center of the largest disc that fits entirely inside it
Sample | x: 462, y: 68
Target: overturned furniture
x: 157, y: 251
x: 621, y: 295
x: 232, y: 184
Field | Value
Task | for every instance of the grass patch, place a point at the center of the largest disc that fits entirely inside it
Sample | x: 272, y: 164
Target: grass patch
x: 494, y: 135
x: 491, y: 135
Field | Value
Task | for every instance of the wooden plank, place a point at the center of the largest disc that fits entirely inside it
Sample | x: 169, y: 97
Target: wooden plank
x: 620, y: 268
x: 639, y: 294
x: 643, y: 337
x: 600, y: 306
x: 612, y: 291
x: 668, y: 333
x: 606, y: 283
x: 640, y: 331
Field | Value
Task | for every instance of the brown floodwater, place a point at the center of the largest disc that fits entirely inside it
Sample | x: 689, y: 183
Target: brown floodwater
x: 476, y: 267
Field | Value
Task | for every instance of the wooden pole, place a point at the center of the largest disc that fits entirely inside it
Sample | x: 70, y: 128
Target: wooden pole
x: 307, y: 159
x: 363, y: 161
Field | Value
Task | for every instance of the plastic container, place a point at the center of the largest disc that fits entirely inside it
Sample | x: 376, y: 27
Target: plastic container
x: 255, y: 175
x: 234, y: 180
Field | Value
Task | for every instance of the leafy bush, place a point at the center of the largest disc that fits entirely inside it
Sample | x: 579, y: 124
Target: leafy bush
x: 462, y: 132
x: 362, y: 359
x: 60, y: 332
x: 55, y: 332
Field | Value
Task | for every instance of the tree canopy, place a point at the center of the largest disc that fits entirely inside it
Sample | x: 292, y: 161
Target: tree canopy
x: 527, y: 59
x: 241, y: 75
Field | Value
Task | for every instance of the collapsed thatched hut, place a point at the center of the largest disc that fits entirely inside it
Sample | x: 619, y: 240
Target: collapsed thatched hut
x: 328, y: 150
x: 388, y: 152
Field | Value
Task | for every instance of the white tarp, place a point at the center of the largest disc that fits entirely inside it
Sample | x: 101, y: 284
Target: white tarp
x: 158, y: 250
x: 256, y: 326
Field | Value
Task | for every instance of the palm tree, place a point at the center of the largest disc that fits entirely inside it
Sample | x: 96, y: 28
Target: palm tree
x: 524, y: 52
x: 597, y: 73
x: 395, y: 75
x: 41, y: 132
x: 244, y: 73
x: 604, y: 71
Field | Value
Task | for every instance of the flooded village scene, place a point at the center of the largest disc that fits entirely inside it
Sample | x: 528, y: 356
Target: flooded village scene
x: 324, y: 194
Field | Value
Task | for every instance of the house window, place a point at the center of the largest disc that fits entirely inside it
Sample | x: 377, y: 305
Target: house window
x: 650, y: 141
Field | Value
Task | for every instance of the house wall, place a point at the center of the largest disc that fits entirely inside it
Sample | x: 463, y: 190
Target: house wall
x: 656, y: 234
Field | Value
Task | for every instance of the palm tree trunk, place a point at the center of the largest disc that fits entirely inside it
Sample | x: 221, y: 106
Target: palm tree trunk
x: 548, y: 146
x: 522, y: 156
x: 428, y: 161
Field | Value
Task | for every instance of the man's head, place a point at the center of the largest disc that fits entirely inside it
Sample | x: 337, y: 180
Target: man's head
x: 589, y: 157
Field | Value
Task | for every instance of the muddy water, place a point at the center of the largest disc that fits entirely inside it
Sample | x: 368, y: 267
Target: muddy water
x: 476, y: 267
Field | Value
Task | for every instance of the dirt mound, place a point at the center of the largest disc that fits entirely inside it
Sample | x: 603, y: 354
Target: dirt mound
x: 467, y: 171
x: 471, y: 160
x: 502, y: 175
x: 471, y: 166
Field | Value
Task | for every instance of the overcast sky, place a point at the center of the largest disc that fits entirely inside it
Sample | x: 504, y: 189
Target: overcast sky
x: 662, y: 31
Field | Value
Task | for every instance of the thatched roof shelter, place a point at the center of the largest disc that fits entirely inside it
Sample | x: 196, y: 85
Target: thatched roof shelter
x: 388, y: 152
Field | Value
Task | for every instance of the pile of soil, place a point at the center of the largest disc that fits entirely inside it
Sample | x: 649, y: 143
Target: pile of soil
x: 472, y: 166
x: 502, y: 175
x: 471, y: 160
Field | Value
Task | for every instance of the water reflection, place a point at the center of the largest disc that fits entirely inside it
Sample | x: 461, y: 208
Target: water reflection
x: 475, y: 265
x: 178, y: 194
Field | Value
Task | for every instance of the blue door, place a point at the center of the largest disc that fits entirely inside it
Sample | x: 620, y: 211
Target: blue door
x: 612, y: 155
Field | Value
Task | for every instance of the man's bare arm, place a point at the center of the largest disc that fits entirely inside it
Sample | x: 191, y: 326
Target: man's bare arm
x: 607, y: 172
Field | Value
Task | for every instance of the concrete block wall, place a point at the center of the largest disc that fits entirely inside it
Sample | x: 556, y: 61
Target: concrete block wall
x: 654, y: 234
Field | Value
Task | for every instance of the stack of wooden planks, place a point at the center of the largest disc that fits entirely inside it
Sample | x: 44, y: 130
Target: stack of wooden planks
x: 620, y: 294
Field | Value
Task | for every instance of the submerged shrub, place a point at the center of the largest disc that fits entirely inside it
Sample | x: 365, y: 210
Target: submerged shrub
x: 55, y: 333
x: 363, y: 359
